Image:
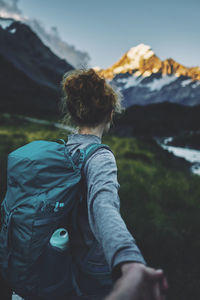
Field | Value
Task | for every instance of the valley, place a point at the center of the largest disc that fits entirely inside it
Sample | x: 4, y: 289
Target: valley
x: 159, y: 197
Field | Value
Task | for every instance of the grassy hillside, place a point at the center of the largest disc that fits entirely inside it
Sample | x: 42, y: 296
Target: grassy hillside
x: 160, y: 200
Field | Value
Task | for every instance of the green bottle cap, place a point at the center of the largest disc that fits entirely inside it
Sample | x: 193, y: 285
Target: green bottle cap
x: 60, y: 238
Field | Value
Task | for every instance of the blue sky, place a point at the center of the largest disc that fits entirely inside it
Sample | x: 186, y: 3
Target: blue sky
x: 106, y: 29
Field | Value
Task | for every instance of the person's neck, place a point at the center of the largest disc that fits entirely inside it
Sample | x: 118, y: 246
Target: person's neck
x: 98, y: 130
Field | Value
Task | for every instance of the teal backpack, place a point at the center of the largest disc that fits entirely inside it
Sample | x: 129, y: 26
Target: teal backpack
x: 43, y: 187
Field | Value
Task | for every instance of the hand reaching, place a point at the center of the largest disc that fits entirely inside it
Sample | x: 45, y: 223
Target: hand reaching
x: 139, y: 282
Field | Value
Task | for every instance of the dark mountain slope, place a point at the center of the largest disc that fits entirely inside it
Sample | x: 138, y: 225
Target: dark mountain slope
x: 161, y: 119
x: 30, y: 73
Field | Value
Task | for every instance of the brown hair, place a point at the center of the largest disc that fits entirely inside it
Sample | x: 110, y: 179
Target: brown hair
x: 88, y: 99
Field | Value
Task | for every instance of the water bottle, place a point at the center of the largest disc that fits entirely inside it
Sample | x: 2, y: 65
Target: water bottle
x: 56, y: 264
x: 16, y: 297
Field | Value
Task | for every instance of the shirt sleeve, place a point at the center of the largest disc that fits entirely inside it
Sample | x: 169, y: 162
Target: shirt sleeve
x: 104, y: 216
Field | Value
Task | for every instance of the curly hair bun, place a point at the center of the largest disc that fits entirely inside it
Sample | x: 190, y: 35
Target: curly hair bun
x: 88, y: 98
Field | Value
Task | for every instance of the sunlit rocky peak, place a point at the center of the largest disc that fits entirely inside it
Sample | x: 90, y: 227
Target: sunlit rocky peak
x: 142, y: 61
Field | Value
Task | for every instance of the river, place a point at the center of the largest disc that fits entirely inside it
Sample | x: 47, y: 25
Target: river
x: 190, y: 155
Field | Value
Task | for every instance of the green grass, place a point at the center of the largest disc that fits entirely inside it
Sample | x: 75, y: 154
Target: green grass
x: 160, y: 200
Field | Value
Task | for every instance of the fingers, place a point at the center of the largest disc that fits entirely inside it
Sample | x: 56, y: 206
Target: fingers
x: 154, y: 274
x: 156, y: 292
x: 158, y: 283
x: 164, y: 284
x: 162, y: 280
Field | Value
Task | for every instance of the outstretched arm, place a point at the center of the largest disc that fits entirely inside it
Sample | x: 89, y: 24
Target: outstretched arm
x: 105, y: 220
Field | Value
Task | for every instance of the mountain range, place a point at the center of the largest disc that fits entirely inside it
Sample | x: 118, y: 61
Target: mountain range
x: 144, y: 78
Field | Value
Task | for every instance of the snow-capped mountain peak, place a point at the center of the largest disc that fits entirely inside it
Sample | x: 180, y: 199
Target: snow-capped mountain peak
x: 140, y: 51
x: 140, y: 60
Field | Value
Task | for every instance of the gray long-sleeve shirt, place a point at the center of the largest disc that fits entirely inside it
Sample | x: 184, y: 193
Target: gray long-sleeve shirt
x: 103, y: 205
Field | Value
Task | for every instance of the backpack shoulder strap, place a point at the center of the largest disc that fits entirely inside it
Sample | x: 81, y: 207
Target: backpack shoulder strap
x: 82, y: 155
x: 91, y: 149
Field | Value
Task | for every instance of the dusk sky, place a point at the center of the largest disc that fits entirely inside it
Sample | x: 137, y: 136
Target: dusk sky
x: 106, y: 29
